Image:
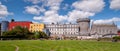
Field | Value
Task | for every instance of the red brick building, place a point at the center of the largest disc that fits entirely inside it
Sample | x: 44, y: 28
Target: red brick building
x: 119, y: 32
x: 25, y: 24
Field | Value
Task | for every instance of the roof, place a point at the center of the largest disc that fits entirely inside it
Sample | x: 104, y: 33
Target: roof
x: 83, y: 19
x: 104, y: 25
x: 110, y: 34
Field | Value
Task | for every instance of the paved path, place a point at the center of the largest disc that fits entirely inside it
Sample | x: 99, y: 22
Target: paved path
x: 17, y: 48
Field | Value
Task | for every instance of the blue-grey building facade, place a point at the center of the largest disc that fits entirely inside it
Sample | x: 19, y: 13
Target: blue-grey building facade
x: 4, y: 26
x: 0, y: 28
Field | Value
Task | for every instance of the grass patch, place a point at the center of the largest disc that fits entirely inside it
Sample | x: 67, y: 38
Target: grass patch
x: 58, y: 45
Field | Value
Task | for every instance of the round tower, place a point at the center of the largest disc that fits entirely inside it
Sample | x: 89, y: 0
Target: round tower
x: 84, y: 24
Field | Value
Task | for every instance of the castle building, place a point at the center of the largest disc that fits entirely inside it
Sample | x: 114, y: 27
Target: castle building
x: 25, y: 24
x: 36, y: 27
x: 84, y: 24
x: 59, y: 30
x: 82, y: 28
x: 70, y: 30
x: 104, y: 29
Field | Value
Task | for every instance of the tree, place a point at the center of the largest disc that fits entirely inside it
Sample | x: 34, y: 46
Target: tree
x: 9, y: 33
x: 40, y: 35
x: 19, y: 31
x: 12, y: 20
x: 116, y: 38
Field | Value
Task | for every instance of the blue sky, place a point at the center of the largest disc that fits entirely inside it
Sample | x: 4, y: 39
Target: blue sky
x: 62, y: 11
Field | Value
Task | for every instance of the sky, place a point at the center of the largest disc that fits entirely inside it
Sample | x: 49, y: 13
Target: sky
x: 61, y: 11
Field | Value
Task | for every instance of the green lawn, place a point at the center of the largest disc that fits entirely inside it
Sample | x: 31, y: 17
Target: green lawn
x: 58, y: 45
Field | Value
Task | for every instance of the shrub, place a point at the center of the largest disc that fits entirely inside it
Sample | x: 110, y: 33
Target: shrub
x: 116, y: 37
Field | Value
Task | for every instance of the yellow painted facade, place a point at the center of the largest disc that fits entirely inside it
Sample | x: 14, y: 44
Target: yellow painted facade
x: 36, y: 27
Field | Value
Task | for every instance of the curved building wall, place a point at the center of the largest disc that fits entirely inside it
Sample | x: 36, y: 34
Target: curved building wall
x: 4, y: 26
x: 84, y: 24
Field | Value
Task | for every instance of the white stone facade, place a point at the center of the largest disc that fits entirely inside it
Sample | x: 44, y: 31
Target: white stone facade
x: 82, y: 28
x: 104, y: 29
x: 67, y: 30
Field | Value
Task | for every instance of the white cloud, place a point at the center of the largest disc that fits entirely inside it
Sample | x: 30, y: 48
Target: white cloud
x: 53, y: 4
x: 115, y: 4
x: 89, y: 5
x: 46, y: 2
x: 35, y: 22
x: 118, y: 27
x: 37, y: 17
x: 51, y: 16
x: 34, y: 1
x: 75, y: 14
x: 115, y: 19
x: 34, y: 9
x: 83, y: 9
x: 54, y: 8
x: 50, y: 12
x: 3, y: 11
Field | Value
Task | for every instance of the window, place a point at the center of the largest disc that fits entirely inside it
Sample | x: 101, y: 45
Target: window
x: 31, y: 27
